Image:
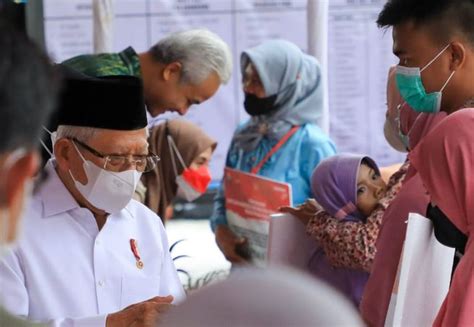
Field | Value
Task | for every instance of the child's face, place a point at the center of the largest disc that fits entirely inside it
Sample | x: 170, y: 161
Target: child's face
x: 370, y: 188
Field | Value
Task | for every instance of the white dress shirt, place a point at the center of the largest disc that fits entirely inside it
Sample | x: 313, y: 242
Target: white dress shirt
x: 66, y: 271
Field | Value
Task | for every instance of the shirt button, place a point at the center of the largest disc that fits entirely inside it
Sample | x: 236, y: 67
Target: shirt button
x: 97, y: 242
x: 101, y: 283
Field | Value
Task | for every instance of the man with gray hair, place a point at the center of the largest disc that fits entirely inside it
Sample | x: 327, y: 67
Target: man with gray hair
x: 182, y: 69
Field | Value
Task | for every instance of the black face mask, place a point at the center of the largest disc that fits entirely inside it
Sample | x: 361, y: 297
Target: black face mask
x: 445, y: 231
x: 255, y: 106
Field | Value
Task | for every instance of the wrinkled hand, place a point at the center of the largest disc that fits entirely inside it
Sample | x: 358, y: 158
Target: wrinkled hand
x: 143, y: 314
x: 303, y: 212
x: 228, y: 242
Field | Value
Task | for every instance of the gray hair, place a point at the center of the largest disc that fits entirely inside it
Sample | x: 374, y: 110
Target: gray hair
x: 200, y: 52
x: 80, y: 133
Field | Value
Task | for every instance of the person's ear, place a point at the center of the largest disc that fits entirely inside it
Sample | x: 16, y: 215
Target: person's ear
x: 62, y: 152
x: 21, y: 172
x: 172, y: 71
x: 458, y: 55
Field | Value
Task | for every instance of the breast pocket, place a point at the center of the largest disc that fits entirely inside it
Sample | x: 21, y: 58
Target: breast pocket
x: 138, y: 289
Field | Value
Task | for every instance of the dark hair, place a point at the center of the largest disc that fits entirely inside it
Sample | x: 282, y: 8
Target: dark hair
x: 27, y: 89
x: 446, y: 17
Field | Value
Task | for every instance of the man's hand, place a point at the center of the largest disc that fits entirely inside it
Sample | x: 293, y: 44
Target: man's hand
x: 303, y: 212
x: 143, y: 314
x: 228, y: 242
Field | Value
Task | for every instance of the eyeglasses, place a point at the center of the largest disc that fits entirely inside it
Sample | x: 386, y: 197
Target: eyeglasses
x: 113, y: 162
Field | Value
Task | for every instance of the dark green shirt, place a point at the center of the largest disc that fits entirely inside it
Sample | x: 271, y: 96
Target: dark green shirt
x: 107, y: 64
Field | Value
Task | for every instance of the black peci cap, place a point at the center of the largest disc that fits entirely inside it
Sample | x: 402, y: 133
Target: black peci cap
x: 109, y: 102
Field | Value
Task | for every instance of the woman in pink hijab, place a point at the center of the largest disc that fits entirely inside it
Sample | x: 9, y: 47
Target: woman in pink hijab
x: 412, y: 197
x: 445, y: 161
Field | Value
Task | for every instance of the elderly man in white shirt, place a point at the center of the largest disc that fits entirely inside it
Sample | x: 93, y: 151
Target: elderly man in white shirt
x: 90, y: 255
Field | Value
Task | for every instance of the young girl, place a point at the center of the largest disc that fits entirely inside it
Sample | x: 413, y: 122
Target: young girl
x: 349, y: 188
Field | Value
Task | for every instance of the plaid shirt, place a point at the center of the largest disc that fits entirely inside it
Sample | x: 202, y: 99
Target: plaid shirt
x: 352, y: 244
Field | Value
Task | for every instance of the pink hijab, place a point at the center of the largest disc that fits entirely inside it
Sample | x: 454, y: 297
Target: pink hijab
x: 445, y: 161
x: 412, y: 197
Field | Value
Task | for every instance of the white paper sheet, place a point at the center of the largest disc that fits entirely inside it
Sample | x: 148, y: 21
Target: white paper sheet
x: 288, y: 243
x: 424, y: 276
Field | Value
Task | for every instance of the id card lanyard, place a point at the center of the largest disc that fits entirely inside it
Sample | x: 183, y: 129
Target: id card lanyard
x: 277, y: 147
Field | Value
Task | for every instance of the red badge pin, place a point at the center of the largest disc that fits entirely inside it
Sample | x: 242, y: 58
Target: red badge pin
x: 136, y: 254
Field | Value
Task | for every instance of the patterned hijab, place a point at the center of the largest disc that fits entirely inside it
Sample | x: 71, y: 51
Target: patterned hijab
x: 296, y: 79
x: 334, y: 185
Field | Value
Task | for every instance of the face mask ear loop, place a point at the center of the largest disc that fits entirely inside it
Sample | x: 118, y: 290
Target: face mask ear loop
x: 46, y: 148
x: 50, y: 152
x: 80, y: 155
x: 47, y: 130
x: 434, y: 59
x: 174, y: 149
x: 79, y: 152
x: 449, y: 79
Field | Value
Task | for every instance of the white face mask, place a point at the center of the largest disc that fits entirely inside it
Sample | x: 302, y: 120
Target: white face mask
x: 393, y: 136
x: 106, y: 190
x: 5, y: 219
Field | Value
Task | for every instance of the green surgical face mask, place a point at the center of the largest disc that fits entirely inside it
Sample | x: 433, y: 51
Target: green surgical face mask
x: 412, y: 90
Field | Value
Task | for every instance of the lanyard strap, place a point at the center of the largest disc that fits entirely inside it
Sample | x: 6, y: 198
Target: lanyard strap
x: 277, y: 147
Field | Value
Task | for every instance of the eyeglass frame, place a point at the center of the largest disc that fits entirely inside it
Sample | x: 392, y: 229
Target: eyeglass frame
x: 107, y: 156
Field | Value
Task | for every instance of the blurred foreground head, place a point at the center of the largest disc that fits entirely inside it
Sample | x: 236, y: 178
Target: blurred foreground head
x: 27, y: 96
x: 255, y: 297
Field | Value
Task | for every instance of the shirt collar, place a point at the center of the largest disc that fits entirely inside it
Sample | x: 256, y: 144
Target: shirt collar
x: 55, y: 196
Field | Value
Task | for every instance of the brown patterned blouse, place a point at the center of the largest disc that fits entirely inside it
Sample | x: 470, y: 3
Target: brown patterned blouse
x: 352, y: 244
